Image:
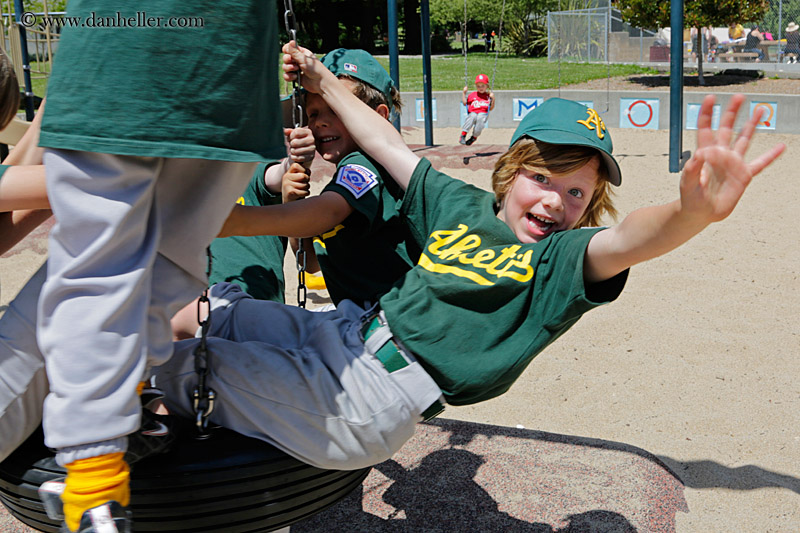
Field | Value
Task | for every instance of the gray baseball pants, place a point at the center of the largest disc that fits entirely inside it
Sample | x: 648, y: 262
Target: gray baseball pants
x: 127, y: 251
x: 23, y: 381
x: 300, y: 380
x: 475, y: 119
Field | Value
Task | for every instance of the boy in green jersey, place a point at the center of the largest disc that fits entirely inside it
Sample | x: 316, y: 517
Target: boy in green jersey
x: 361, y: 244
x: 500, y: 277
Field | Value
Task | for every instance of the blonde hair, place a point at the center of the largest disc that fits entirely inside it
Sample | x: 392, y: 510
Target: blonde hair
x: 9, y: 91
x: 372, y: 96
x: 530, y: 154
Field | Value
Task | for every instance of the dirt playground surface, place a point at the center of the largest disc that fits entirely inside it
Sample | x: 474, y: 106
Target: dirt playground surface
x: 675, y: 408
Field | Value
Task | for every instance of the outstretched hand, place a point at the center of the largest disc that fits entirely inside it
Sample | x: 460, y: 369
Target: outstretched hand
x: 716, y: 176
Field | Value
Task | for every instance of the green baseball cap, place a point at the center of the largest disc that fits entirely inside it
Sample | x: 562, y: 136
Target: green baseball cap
x: 361, y: 65
x: 559, y: 121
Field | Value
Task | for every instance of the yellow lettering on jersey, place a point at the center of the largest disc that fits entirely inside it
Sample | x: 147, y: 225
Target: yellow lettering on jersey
x: 457, y: 245
x: 594, y: 122
x: 240, y: 201
x: 427, y: 264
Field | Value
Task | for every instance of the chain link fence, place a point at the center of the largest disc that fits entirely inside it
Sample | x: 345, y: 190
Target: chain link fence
x: 595, y: 32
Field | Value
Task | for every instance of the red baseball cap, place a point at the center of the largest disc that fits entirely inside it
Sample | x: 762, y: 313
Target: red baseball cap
x: 481, y: 78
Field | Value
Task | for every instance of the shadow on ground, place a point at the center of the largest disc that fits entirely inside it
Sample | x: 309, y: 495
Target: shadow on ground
x: 458, y: 476
x: 711, y: 80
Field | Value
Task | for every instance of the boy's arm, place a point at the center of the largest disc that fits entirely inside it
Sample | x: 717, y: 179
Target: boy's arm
x: 23, y: 187
x: 27, y: 150
x: 464, y: 96
x: 712, y: 183
x: 491, y: 101
x: 374, y: 134
x: 303, y: 219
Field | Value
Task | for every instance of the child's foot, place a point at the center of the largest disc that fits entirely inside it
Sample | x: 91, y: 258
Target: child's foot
x: 471, y: 140
x: 155, y: 434
x: 110, y: 517
x: 463, y: 139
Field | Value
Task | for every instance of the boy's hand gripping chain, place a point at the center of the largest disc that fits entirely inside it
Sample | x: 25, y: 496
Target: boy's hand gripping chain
x: 203, y: 398
x: 290, y: 21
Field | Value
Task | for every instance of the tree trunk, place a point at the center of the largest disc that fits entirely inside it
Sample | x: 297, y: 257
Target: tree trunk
x: 412, y: 43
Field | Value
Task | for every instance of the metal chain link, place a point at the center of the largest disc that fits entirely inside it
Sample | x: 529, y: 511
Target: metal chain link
x: 290, y: 20
x: 203, y: 397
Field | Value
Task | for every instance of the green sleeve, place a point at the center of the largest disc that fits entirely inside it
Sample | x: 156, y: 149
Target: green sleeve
x: 3, y: 169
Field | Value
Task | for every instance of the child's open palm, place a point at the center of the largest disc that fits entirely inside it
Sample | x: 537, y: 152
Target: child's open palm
x: 716, y: 176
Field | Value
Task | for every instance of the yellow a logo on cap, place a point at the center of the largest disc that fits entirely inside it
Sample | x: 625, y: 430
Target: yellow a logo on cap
x: 594, y: 122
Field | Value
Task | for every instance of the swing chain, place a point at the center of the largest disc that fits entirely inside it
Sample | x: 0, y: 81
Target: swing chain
x: 302, y: 290
x: 290, y: 20
x: 499, y: 44
x: 203, y: 397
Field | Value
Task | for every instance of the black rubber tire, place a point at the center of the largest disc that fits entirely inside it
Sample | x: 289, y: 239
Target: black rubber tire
x: 226, y: 483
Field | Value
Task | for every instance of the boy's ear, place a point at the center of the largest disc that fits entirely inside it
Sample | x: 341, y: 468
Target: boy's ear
x: 383, y: 110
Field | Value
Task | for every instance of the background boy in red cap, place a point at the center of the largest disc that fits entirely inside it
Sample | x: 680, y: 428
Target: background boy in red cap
x: 479, y: 103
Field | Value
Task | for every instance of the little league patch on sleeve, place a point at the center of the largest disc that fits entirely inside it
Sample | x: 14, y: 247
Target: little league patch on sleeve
x: 356, y: 179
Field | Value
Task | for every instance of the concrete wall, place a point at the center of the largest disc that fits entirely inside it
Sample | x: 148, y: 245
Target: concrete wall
x: 642, y: 109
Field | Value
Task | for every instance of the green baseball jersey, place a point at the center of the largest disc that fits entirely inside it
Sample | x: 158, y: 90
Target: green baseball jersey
x: 167, y: 78
x: 363, y: 257
x: 480, y: 305
x: 253, y: 263
x: 3, y: 169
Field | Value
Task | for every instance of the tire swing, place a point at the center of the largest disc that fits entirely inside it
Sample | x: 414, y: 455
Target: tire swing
x: 218, y: 481
x: 208, y: 481
x: 227, y: 482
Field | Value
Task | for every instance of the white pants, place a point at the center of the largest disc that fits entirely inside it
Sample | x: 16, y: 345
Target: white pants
x: 127, y: 251
x: 475, y: 119
x: 23, y: 381
x: 300, y: 380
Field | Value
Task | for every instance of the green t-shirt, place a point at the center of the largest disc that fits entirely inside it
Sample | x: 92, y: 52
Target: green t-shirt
x: 363, y: 257
x: 208, y: 91
x: 3, y: 169
x: 480, y: 305
x: 253, y: 263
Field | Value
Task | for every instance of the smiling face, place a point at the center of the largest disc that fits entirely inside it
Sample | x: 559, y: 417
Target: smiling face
x: 481, y: 87
x: 331, y: 138
x: 541, y: 202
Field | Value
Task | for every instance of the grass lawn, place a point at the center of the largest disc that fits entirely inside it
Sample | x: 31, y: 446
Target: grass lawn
x: 512, y: 72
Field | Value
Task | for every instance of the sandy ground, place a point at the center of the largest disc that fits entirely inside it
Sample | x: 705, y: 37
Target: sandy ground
x: 696, y: 363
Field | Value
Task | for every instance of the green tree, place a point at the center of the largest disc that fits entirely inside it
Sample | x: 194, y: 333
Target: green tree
x: 776, y: 24
x: 485, y: 15
x: 696, y: 14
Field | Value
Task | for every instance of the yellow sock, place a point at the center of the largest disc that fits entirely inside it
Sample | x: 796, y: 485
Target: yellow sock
x: 92, y: 482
